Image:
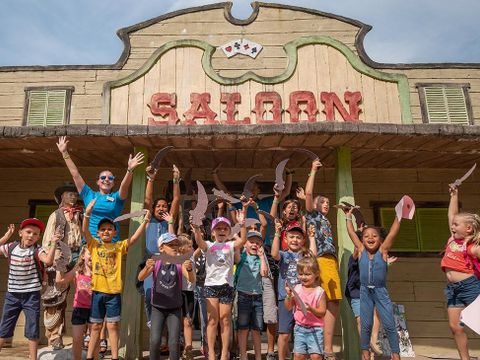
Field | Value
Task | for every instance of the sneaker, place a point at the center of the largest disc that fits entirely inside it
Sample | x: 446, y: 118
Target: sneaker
x: 271, y: 356
x: 187, y: 353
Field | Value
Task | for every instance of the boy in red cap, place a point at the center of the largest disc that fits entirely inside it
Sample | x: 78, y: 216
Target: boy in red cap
x: 25, y: 275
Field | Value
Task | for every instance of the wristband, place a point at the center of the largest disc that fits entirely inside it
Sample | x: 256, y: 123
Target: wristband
x: 174, y: 181
x: 288, y: 297
x: 275, y: 201
x: 170, y: 222
x: 311, y: 173
x: 231, y: 209
x: 290, y: 172
x: 277, y: 234
x: 150, y: 179
x: 85, y: 215
x: 66, y: 155
x: 130, y: 170
x: 189, y: 270
x: 348, y: 218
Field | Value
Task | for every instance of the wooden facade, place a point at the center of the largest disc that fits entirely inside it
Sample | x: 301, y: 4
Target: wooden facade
x: 391, y: 150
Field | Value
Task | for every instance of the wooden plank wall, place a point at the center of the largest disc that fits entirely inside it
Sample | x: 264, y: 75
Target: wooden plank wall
x: 415, y: 282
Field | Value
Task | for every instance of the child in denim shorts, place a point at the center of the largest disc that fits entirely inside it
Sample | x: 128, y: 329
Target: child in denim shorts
x: 250, y: 270
x: 309, y: 322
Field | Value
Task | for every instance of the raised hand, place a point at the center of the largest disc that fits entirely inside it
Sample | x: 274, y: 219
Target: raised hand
x: 240, y: 214
x: 391, y: 260
x: 134, y: 161
x: 300, y: 192
x: 260, y: 251
x: 176, y: 173
x: 148, y: 215
x: 166, y: 216
x: 316, y: 164
x: 150, y: 264
x: 62, y: 144
x: 276, y: 191
x: 9, y: 232
x: 453, y: 190
x: 278, y: 226
x: 151, y: 172
x: 89, y: 209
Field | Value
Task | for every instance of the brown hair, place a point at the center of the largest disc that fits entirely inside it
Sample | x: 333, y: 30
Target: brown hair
x: 185, y: 242
x: 81, y: 261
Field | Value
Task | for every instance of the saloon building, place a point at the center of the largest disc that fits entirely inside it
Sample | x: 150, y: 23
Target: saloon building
x: 246, y: 93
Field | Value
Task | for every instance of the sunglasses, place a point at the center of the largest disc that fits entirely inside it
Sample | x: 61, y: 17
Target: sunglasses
x: 105, y: 177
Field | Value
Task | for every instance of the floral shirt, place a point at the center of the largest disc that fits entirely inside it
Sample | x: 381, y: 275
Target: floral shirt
x: 323, y: 233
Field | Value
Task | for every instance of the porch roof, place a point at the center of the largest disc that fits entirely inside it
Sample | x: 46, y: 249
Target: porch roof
x: 246, y: 146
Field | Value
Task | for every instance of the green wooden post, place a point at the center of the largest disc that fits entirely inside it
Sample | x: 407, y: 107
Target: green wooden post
x: 131, y: 344
x: 350, y: 340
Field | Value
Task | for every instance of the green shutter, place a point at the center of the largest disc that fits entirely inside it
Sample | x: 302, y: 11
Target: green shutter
x: 446, y: 104
x: 407, y: 239
x: 46, y: 108
x: 433, y: 228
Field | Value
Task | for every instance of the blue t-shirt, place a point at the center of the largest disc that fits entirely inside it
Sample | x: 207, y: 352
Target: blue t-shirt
x: 288, y: 271
x: 107, y: 206
x: 264, y: 204
x: 153, y: 232
x: 249, y: 279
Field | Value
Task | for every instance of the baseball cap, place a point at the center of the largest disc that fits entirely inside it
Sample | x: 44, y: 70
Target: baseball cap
x: 219, y: 220
x: 295, y: 226
x: 254, y: 233
x: 34, y: 222
x: 105, y: 220
x: 166, y: 238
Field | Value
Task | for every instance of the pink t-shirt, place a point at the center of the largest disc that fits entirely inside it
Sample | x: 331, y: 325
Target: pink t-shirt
x: 311, y: 298
x: 83, y: 291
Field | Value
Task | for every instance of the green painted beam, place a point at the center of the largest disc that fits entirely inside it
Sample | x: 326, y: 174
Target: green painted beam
x: 344, y: 184
x: 131, y: 337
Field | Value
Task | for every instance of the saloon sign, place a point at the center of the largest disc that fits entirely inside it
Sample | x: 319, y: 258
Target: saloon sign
x: 325, y: 106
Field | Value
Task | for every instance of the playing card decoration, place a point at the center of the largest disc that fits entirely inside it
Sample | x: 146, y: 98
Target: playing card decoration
x: 242, y: 46
x: 405, y: 209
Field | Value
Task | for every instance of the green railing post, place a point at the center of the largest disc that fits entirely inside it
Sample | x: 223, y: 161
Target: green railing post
x: 131, y: 339
x: 344, y: 184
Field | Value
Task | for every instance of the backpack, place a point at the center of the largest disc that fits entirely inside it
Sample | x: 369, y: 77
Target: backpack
x: 38, y: 263
x: 155, y: 272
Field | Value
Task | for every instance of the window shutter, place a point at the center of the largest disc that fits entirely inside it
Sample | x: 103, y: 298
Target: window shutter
x: 446, y: 104
x: 433, y: 228
x: 46, y: 107
x: 407, y: 239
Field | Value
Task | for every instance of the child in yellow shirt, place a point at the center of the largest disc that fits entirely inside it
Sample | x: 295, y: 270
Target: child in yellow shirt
x: 107, y: 277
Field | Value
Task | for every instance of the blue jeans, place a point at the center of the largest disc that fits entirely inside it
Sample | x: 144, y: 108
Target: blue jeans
x: 462, y: 293
x: 173, y: 319
x: 13, y: 304
x: 369, y: 299
x: 109, y: 305
x: 250, y: 312
x: 307, y: 340
x: 202, y: 305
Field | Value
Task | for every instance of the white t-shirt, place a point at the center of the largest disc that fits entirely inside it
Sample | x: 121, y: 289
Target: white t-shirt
x: 219, y: 263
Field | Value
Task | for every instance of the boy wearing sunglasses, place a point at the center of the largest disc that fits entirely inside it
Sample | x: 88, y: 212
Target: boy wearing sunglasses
x: 109, y: 204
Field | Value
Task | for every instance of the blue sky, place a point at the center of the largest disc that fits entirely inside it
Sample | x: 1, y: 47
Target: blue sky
x: 48, y: 32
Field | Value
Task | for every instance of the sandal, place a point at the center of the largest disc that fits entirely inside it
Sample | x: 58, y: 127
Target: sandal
x: 103, y: 346
x: 86, y: 341
x: 329, y: 356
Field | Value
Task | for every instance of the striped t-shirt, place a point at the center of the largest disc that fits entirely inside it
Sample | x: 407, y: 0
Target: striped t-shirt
x: 22, y: 274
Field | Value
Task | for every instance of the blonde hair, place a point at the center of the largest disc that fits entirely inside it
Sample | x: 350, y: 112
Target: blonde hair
x: 309, y: 263
x: 474, y: 221
x: 81, y: 260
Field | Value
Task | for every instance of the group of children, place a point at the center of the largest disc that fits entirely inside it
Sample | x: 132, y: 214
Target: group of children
x: 233, y: 275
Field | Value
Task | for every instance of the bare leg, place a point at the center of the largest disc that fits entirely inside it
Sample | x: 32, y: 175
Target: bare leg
x: 187, y: 331
x: 77, y: 334
x: 283, y: 340
x: 316, y: 356
x: 32, y: 349
x: 330, y: 318
x: 212, y: 312
x: 257, y: 344
x: 458, y: 332
x: 112, y: 328
x: 94, y: 339
x: 271, y: 334
x: 225, y: 324
x: 299, y: 357
x: 242, y: 343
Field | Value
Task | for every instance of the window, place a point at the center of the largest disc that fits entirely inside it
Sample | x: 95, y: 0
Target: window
x: 41, y: 209
x: 428, y: 231
x: 47, y: 106
x: 445, y: 103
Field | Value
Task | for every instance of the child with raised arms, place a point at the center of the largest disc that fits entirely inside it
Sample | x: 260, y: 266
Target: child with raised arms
x: 373, y: 253
x: 25, y: 276
x: 107, y: 277
x: 219, y: 290
x: 82, y: 301
x: 460, y: 263
x: 308, y: 331
x: 296, y: 239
